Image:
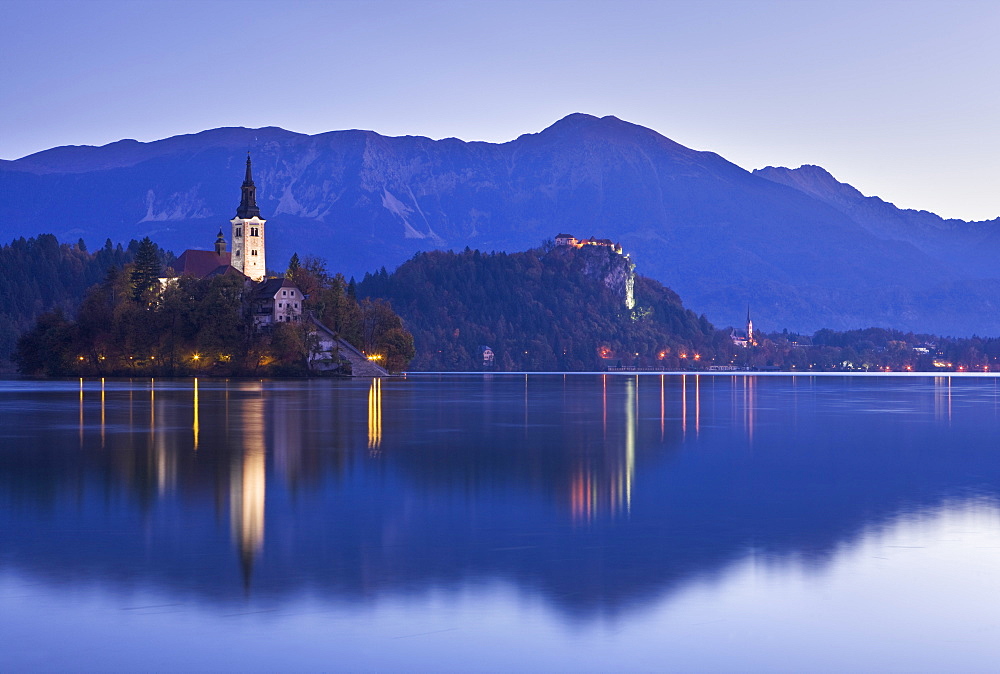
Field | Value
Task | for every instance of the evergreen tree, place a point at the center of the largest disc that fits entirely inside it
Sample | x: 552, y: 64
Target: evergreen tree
x: 146, y: 271
x: 293, y: 266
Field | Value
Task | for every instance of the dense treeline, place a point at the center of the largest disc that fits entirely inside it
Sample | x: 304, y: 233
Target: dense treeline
x: 537, y: 311
x: 129, y: 324
x: 370, y: 325
x: 40, y: 274
x: 872, y: 349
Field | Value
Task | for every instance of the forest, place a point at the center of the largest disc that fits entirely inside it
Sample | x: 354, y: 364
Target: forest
x: 130, y: 324
x: 536, y: 310
x: 40, y: 274
x: 79, y: 312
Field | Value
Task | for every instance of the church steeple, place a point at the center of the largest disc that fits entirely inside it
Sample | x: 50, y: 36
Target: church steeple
x: 248, y: 202
x: 248, y: 232
x: 220, y: 244
x: 750, y: 338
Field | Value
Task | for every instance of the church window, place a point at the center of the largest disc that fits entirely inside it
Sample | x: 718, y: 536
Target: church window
x: 253, y: 252
x: 237, y: 253
x: 239, y: 231
x: 254, y: 231
x: 296, y: 305
x: 284, y: 293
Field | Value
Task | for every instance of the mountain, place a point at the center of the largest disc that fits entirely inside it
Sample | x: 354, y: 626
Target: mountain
x: 720, y: 236
x: 974, y: 243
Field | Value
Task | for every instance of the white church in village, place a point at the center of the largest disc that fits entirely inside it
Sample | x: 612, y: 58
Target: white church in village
x: 276, y: 300
x: 273, y: 300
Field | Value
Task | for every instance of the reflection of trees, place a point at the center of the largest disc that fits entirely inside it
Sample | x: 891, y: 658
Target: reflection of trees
x: 557, y: 483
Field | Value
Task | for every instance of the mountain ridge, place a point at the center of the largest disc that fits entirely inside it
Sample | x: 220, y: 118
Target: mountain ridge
x: 719, y: 235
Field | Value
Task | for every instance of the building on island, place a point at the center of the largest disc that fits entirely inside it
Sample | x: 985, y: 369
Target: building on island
x: 277, y: 300
x: 248, y: 232
x: 269, y: 301
x: 206, y: 263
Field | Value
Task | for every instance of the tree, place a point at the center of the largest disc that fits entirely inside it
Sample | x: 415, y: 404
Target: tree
x: 146, y: 272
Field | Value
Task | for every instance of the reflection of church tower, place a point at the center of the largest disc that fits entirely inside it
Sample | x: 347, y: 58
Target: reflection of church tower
x: 248, y: 231
x: 247, y: 490
x: 750, y: 338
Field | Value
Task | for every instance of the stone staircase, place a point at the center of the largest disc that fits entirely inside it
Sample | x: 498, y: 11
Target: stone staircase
x: 360, y: 365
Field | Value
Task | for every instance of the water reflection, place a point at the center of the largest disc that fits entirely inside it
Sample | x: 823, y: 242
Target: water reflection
x: 248, y: 486
x: 375, y: 413
x: 601, y: 493
x: 195, y: 426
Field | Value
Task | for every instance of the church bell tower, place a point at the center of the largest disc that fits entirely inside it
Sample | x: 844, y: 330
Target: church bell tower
x: 248, y: 232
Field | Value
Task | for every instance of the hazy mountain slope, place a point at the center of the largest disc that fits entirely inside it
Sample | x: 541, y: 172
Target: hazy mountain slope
x: 719, y: 235
x: 970, y: 247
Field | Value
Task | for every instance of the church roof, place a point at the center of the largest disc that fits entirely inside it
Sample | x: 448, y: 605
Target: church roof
x: 201, y: 263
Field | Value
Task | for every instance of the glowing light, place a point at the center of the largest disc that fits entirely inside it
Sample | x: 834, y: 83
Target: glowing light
x: 195, y: 426
x: 196, y: 357
x: 697, y: 356
x: 375, y: 414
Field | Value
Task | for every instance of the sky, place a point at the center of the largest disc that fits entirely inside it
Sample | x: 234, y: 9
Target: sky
x: 899, y: 99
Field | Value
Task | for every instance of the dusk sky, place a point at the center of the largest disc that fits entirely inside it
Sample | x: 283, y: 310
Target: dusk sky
x: 899, y: 99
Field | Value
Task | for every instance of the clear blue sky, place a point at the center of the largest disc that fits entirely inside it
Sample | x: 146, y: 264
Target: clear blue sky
x: 901, y: 99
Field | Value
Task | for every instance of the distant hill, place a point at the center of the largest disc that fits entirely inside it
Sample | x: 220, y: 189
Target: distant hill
x: 969, y: 247
x: 564, y: 309
x: 722, y: 237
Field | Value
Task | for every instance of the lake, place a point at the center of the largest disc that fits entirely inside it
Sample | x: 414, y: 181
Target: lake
x: 538, y: 522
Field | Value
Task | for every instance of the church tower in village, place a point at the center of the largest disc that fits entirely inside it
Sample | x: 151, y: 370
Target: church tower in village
x: 751, y: 340
x: 248, y: 232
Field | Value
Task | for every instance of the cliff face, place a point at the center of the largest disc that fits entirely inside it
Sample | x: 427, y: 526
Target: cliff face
x: 614, y: 270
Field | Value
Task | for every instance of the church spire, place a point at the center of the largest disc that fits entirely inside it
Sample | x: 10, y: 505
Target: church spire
x: 248, y: 202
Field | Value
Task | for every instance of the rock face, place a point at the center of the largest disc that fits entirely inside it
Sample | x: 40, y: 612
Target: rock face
x: 797, y: 249
x: 615, y: 271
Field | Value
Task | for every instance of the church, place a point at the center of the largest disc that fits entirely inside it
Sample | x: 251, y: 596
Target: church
x: 275, y: 300
x: 271, y: 300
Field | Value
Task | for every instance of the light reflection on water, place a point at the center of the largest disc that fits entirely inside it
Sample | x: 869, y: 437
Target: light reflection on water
x: 585, y: 522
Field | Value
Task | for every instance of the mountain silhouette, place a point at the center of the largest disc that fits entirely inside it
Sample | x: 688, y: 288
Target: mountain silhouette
x: 806, y: 251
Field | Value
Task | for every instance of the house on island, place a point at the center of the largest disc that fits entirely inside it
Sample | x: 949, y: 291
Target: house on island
x: 277, y: 300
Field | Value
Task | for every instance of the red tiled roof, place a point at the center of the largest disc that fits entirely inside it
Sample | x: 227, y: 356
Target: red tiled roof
x: 200, y: 263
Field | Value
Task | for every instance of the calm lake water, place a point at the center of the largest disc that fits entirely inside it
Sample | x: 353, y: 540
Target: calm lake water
x: 501, y: 522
